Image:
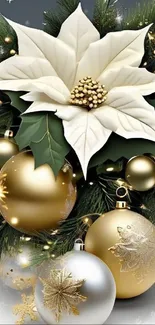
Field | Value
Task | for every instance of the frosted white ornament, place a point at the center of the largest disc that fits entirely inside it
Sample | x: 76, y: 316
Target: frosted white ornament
x: 15, y: 270
x: 98, y: 287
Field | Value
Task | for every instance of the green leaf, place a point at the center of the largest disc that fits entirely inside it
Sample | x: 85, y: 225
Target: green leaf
x: 7, y: 32
x: 118, y: 147
x: 44, y: 134
x: 16, y: 101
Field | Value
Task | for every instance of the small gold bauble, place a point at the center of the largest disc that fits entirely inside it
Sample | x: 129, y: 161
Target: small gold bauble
x: 8, y: 39
x: 8, y: 149
x: 125, y: 241
x: 34, y: 199
x: 12, y: 52
x: 140, y: 173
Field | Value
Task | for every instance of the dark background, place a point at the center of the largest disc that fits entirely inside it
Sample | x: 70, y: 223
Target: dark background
x: 29, y: 12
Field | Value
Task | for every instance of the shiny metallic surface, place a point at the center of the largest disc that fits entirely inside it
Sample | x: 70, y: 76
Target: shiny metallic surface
x: 8, y: 149
x: 135, y: 253
x: 35, y: 200
x: 15, y: 270
x: 99, y: 288
x: 140, y: 173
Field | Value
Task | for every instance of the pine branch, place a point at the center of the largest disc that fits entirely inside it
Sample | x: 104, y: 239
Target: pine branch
x: 140, y: 16
x: 54, y: 20
x: 8, y: 39
x: 104, y: 18
x: 7, y: 113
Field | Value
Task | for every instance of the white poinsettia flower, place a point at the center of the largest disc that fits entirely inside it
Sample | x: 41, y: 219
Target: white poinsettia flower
x: 93, y: 85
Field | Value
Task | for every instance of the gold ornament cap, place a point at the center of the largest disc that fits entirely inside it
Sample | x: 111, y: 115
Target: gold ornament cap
x: 121, y: 205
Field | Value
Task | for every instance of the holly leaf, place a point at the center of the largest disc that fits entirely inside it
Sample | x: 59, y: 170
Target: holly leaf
x: 44, y: 134
x: 16, y: 101
x: 118, y: 147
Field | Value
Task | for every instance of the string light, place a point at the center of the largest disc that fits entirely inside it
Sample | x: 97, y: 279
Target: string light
x: 12, y: 52
x: 8, y: 39
x: 119, y: 18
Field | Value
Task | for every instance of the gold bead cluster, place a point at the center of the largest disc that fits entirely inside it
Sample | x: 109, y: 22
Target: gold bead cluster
x: 88, y: 94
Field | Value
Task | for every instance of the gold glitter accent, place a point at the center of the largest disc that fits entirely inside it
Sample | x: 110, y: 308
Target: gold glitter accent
x: 136, y: 249
x: 3, y: 190
x: 23, y: 283
x: 88, y: 94
x: 61, y: 293
x: 26, y: 308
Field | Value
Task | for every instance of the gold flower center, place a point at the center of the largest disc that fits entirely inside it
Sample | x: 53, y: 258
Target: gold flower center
x: 88, y: 94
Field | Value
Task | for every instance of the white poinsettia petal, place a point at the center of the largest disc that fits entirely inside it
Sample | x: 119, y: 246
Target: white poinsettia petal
x: 40, y: 106
x: 34, y: 96
x: 132, y: 115
x: 78, y: 32
x: 84, y: 133
x: 139, y: 78
x: 17, y: 71
x: 53, y: 87
x: 36, y: 43
x: 113, y: 51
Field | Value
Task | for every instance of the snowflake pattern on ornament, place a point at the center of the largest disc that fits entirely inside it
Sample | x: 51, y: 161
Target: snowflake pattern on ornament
x: 136, y: 249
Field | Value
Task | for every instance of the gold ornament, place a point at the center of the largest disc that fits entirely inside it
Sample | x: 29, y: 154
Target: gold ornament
x: 8, y: 148
x: 8, y: 39
x: 125, y: 241
x: 26, y: 308
x: 88, y: 94
x: 34, y: 200
x: 12, y: 52
x: 140, y: 173
x: 61, y: 293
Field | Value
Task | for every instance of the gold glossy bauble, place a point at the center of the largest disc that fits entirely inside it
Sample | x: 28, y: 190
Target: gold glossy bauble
x: 140, y: 173
x: 34, y: 199
x: 15, y: 269
x: 8, y: 149
x: 125, y: 241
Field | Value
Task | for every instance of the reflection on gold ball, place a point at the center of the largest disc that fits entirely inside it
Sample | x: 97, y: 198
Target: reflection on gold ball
x: 140, y: 173
x: 34, y: 199
x: 125, y: 241
x: 8, y: 148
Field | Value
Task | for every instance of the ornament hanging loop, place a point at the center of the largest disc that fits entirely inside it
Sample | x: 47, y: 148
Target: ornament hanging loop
x: 121, y: 193
x: 8, y: 134
x: 78, y: 245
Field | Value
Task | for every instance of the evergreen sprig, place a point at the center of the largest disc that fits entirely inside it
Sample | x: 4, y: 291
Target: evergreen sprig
x: 104, y: 18
x: 139, y: 16
x: 54, y: 20
x: 8, y: 39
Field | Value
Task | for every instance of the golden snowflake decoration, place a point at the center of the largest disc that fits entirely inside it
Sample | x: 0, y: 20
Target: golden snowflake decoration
x: 23, y: 283
x: 26, y: 308
x: 61, y: 293
x: 136, y: 249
